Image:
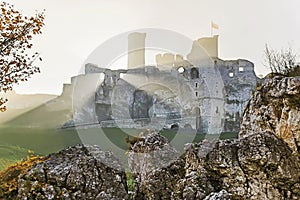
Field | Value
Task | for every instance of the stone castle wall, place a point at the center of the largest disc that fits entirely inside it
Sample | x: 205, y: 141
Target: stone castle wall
x: 147, y: 94
x: 206, y: 94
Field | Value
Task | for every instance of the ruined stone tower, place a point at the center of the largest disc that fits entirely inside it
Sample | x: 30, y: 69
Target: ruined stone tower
x: 136, y: 50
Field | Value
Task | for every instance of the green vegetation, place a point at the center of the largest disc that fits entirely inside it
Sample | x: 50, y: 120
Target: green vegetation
x: 41, y: 141
x: 10, y: 154
x: 15, y: 141
x: 130, y: 184
x: 9, y: 177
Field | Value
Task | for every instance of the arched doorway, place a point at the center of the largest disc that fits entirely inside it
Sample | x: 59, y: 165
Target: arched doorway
x: 194, y: 73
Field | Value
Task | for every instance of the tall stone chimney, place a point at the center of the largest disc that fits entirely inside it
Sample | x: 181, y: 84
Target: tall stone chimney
x: 136, y: 50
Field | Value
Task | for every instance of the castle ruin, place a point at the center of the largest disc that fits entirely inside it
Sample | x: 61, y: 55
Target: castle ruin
x: 207, y: 95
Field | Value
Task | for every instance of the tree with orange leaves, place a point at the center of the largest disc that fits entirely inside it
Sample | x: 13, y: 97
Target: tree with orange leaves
x: 16, y: 62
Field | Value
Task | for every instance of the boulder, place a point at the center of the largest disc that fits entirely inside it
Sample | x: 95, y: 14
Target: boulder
x: 79, y: 172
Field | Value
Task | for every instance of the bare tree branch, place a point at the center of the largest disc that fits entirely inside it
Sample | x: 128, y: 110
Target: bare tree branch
x: 283, y: 61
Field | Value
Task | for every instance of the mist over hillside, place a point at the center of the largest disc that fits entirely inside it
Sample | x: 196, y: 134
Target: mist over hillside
x: 36, y: 110
x: 19, y: 104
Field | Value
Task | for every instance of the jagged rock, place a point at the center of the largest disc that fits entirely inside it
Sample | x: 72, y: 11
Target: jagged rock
x: 260, y: 166
x: 79, y: 172
x: 150, y: 152
x: 271, y: 170
x: 155, y: 166
x: 275, y: 107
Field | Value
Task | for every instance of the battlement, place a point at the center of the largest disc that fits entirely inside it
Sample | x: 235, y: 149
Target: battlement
x: 167, y: 60
x: 171, y: 60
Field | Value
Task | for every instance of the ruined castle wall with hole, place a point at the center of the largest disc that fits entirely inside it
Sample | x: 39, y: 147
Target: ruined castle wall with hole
x: 207, y: 98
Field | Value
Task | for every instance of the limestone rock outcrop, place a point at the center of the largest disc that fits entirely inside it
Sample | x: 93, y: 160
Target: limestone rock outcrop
x: 78, y: 172
x: 260, y: 166
x: 275, y: 107
x: 155, y: 167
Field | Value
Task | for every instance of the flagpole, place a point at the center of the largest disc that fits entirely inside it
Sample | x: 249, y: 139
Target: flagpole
x: 213, y: 26
x: 211, y: 29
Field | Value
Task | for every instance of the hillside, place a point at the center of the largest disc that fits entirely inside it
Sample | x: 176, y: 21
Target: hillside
x: 19, y: 104
x: 48, y: 114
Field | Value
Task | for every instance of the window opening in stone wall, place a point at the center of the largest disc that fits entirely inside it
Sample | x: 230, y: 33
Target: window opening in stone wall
x: 196, y: 94
x: 241, y: 69
x: 181, y: 70
x: 231, y: 74
x: 194, y: 73
x: 196, y: 85
x: 122, y: 75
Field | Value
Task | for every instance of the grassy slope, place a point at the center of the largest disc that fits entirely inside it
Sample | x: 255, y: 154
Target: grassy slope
x: 51, y: 114
x: 44, y: 141
x: 10, y: 154
x: 19, y: 104
x: 16, y: 141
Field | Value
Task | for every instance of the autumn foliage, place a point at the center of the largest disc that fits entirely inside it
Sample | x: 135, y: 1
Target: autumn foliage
x: 16, y: 59
x: 10, y: 176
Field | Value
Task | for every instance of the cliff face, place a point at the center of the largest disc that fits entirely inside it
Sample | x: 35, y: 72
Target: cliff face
x: 275, y: 107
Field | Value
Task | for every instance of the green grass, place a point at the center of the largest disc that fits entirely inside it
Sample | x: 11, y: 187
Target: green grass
x: 41, y: 141
x: 10, y: 154
x: 16, y: 141
x: 4, y: 163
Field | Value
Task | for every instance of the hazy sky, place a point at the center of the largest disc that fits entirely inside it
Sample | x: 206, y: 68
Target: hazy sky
x: 74, y: 28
